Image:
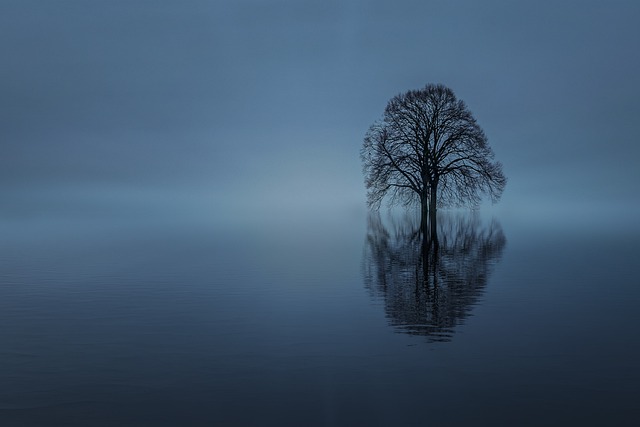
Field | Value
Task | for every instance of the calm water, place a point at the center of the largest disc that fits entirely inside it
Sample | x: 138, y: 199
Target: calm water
x: 319, y: 323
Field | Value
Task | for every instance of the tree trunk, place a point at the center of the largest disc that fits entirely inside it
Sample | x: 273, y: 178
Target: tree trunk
x: 424, y: 211
x: 432, y: 211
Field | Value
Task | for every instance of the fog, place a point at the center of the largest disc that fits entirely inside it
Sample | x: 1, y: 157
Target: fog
x: 237, y: 110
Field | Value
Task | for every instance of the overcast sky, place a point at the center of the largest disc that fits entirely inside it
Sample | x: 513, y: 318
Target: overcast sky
x: 244, y: 105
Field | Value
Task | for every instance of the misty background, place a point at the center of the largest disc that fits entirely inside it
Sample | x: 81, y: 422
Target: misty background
x: 240, y: 109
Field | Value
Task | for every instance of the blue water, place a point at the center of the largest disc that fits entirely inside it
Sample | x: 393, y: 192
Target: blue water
x: 319, y: 322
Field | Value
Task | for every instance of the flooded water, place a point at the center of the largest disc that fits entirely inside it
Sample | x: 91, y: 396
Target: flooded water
x: 325, y: 322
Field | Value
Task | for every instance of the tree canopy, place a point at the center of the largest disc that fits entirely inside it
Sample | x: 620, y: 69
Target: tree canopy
x: 428, y: 150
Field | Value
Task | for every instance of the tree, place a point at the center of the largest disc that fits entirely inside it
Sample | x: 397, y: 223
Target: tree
x: 429, y: 150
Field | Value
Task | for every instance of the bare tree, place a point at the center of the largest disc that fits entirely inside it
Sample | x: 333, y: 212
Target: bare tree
x: 428, y: 150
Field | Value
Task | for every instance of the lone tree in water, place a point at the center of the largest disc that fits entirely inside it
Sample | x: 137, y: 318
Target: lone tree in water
x: 429, y: 150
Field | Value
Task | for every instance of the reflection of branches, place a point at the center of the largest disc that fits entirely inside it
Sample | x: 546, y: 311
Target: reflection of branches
x: 430, y: 286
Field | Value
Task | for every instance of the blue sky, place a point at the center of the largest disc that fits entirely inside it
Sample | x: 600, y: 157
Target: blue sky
x: 237, y: 106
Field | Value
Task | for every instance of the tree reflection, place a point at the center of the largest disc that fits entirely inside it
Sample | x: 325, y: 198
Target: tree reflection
x: 430, y: 283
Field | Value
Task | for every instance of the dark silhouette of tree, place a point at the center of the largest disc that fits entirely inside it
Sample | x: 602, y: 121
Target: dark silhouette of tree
x: 429, y: 150
x: 429, y: 287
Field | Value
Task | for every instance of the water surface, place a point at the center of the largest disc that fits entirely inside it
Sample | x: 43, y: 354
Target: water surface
x: 327, y: 322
